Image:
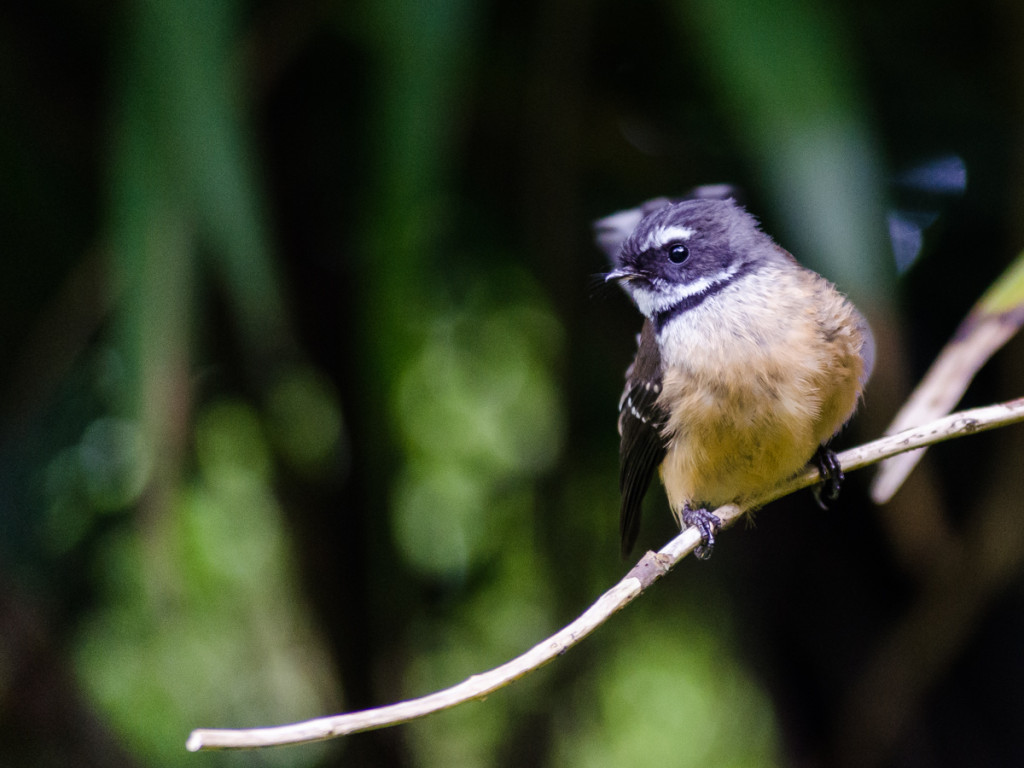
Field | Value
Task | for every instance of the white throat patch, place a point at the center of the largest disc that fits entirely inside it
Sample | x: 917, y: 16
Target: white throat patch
x: 662, y: 296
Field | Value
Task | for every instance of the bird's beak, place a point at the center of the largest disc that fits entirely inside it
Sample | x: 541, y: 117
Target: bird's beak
x: 620, y: 275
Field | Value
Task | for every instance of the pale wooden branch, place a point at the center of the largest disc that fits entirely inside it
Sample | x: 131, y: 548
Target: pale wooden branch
x: 994, y: 320
x: 649, y: 569
x: 977, y: 339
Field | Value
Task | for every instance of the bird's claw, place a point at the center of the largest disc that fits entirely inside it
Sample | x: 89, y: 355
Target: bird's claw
x: 707, y: 524
x: 831, y: 476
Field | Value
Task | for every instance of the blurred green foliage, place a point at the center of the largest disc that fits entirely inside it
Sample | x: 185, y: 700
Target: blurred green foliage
x: 479, y: 418
x: 200, y: 614
x: 679, y: 681
x: 308, y: 407
x: 787, y: 75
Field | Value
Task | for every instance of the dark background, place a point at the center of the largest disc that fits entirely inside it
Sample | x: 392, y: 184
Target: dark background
x: 309, y: 391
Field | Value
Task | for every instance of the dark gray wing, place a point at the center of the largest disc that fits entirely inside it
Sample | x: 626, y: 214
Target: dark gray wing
x: 642, y: 447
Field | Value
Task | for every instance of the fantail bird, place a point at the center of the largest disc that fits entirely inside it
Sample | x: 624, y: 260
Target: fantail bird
x: 748, y: 363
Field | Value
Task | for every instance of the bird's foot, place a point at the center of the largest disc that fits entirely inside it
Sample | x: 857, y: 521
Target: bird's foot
x: 831, y: 476
x: 707, y: 524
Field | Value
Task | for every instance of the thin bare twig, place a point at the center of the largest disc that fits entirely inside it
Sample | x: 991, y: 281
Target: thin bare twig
x: 651, y: 567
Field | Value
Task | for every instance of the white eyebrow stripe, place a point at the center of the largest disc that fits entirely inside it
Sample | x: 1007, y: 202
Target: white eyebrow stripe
x: 666, y: 235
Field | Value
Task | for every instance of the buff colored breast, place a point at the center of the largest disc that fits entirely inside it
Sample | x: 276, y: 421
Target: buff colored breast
x: 751, y: 409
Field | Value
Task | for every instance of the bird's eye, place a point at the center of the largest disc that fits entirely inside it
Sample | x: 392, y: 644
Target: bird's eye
x: 677, y: 253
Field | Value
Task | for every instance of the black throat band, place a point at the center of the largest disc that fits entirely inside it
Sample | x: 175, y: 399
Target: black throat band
x: 661, y: 319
